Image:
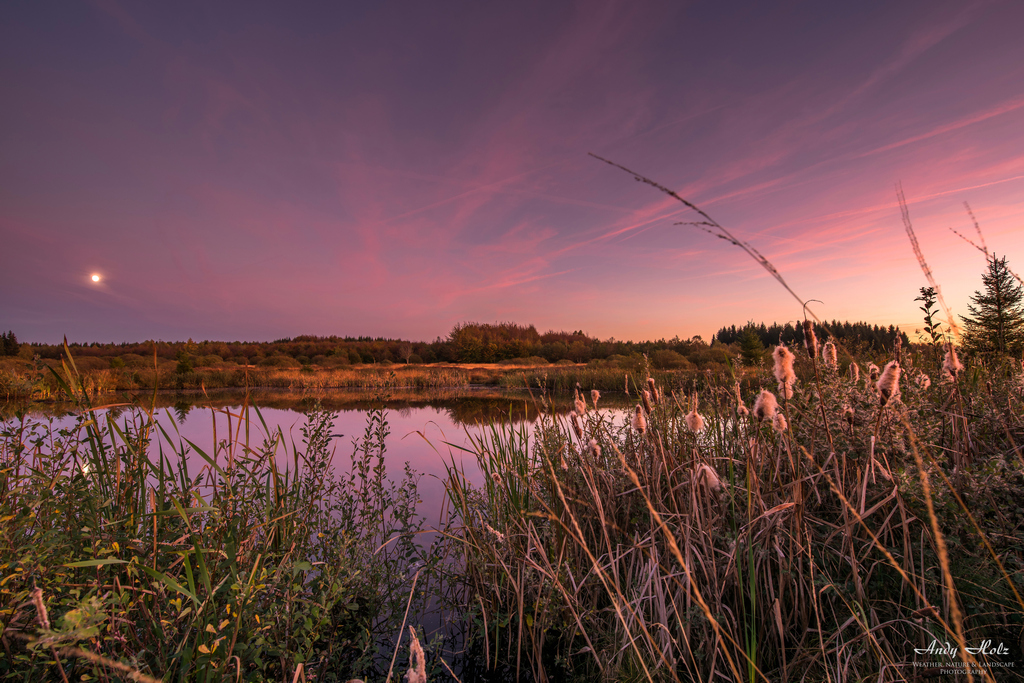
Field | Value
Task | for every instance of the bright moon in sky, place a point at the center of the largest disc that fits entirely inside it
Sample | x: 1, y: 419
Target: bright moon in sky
x: 95, y: 278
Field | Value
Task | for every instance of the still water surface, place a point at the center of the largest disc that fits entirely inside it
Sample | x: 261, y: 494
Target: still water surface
x: 429, y: 429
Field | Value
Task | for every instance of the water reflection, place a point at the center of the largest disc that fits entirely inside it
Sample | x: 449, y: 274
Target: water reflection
x: 462, y: 407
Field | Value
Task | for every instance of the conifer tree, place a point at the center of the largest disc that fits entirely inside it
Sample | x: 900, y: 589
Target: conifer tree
x: 996, y: 321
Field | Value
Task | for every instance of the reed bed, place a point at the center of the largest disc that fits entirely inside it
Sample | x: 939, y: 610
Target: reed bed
x: 822, y: 536
x: 129, y: 553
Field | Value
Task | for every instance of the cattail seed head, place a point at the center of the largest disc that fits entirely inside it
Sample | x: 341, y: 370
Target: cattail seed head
x: 854, y: 372
x: 889, y: 382
x: 639, y: 421
x: 951, y: 365
x: 829, y: 356
x: 576, y: 427
x: 595, y: 448
x: 706, y: 475
x: 810, y: 340
x: 41, y: 613
x: 924, y: 381
x: 595, y: 396
x: 779, y: 424
x: 417, y: 672
x: 694, y: 421
x: 580, y: 406
x: 765, y: 406
x: 647, y: 401
x: 873, y: 372
x: 784, y: 359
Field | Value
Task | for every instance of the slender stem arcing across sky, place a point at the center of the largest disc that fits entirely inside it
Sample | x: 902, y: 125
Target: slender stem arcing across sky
x: 711, y: 226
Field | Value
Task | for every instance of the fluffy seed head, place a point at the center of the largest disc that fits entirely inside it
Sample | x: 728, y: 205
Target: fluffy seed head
x: 647, y: 401
x: 854, y: 372
x: 639, y: 421
x: 848, y: 414
x: 829, y: 355
x: 889, y: 382
x: 595, y: 448
x: 41, y: 613
x: 873, y: 372
x: 694, y: 422
x: 779, y: 424
x: 951, y: 365
x: 417, y: 672
x: 580, y: 406
x: 765, y: 406
x: 784, y: 359
x: 595, y: 396
x: 924, y: 381
x: 706, y: 475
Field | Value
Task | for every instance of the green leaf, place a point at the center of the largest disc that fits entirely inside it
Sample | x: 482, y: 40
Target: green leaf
x: 96, y: 563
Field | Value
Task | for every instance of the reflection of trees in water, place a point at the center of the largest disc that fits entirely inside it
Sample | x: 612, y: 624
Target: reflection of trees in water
x: 463, y: 407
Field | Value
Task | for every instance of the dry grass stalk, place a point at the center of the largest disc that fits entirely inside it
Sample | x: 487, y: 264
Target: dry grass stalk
x: 905, y: 212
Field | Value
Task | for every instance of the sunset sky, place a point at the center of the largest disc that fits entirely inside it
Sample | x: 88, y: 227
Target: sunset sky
x: 263, y: 170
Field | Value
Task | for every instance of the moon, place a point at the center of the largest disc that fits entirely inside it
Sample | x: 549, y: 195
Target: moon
x: 95, y: 278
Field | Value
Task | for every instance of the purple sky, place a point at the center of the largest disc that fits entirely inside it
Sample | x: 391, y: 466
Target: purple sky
x: 390, y: 169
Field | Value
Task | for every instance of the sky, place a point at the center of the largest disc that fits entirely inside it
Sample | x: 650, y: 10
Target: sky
x: 253, y: 171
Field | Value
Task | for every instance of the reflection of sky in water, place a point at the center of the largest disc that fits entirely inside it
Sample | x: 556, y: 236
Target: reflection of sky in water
x: 426, y: 436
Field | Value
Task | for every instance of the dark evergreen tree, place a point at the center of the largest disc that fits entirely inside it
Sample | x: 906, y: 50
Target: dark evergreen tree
x: 996, y: 321
x: 751, y: 346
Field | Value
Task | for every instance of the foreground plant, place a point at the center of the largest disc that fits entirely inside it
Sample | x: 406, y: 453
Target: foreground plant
x: 129, y: 553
